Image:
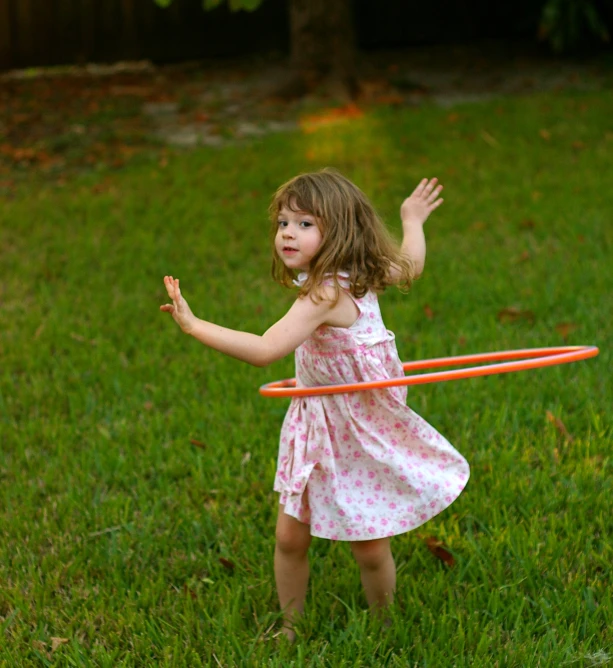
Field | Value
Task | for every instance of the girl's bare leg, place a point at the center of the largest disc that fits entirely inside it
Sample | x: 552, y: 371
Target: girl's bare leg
x: 377, y: 569
x: 291, y: 567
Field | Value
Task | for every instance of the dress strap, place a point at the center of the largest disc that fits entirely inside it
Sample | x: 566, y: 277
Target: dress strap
x: 343, y: 279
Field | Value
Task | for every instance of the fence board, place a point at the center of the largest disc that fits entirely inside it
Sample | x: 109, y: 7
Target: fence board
x: 129, y: 29
x: 87, y: 31
x: 22, y: 15
x: 67, y: 31
x: 6, y: 52
x: 45, y: 30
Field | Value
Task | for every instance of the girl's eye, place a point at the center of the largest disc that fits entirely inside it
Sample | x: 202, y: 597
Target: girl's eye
x: 282, y: 223
x: 306, y: 223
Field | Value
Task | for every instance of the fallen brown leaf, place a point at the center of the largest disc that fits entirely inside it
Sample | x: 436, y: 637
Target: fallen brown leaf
x: 565, y: 328
x: 438, y: 549
x: 189, y: 592
x: 198, y: 444
x: 512, y: 314
x: 559, y: 425
x: 226, y: 563
x: 428, y: 312
x: 56, y: 642
x: 103, y: 187
x: 524, y: 257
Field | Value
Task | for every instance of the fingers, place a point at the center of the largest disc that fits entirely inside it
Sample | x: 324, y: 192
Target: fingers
x: 430, y: 184
x: 434, y: 195
x: 428, y: 190
x: 172, y: 288
x: 431, y: 189
x: 169, y: 285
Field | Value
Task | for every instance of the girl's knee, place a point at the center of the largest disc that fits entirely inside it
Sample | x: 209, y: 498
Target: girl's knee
x: 371, y: 554
x: 292, y: 536
x: 290, y: 541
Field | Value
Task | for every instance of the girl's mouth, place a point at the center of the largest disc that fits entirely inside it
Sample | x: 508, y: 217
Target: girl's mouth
x: 289, y: 251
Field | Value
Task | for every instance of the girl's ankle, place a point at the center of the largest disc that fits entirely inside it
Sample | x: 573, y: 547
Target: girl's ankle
x: 287, y: 633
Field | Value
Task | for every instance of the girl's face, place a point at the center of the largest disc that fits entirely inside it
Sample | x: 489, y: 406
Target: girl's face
x: 298, y: 238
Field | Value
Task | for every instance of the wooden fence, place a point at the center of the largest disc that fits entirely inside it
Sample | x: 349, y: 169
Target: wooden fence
x: 54, y: 32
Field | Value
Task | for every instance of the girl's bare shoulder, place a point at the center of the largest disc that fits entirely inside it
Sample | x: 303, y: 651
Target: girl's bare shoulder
x: 343, y: 309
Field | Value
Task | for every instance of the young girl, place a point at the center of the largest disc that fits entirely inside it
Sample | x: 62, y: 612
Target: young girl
x: 357, y: 467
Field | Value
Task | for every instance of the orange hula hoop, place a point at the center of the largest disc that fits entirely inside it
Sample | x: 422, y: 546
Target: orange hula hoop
x: 528, y: 358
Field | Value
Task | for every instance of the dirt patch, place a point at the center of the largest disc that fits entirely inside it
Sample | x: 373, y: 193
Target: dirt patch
x: 59, y: 121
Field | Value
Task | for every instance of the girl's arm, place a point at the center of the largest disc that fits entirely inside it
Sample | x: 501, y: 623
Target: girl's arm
x: 281, y: 339
x: 414, y: 212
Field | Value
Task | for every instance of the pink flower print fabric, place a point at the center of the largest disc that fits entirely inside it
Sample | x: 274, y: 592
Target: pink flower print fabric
x: 362, y: 465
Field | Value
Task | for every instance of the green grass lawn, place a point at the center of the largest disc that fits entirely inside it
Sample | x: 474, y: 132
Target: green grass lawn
x: 136, y: 468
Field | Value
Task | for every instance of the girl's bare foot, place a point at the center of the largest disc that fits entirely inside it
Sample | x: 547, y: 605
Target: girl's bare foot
x: 286, y: 633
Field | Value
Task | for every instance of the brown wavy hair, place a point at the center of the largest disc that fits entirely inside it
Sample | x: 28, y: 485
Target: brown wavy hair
x: 354, y: 238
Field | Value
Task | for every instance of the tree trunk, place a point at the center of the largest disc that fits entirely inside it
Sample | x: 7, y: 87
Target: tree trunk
x: 323, y: 48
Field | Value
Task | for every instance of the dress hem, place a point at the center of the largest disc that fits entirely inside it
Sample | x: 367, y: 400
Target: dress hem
x: 376, y: 535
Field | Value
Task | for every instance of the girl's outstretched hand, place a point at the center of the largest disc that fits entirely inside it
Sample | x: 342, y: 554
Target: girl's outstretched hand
x: 179, y: 309
x: 421, y: 203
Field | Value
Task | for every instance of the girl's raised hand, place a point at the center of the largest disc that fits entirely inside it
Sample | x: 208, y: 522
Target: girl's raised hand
x: 179, y: 309
x: 421, y: 203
